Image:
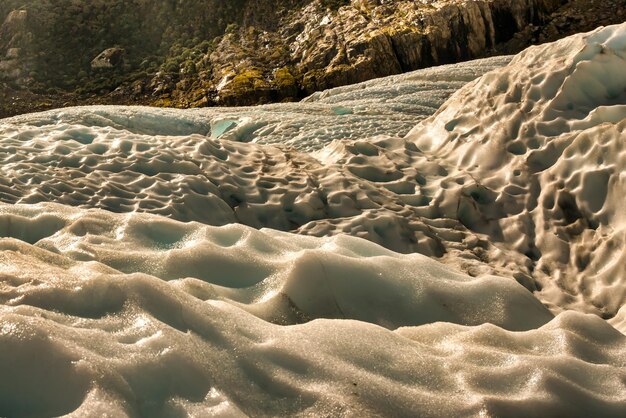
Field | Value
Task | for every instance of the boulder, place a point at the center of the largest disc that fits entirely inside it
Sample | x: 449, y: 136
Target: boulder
x: 13, y: 53
x: 109, y: 58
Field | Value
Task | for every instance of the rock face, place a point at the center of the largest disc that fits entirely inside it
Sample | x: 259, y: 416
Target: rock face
x: 109, y: 58
x: 14, y: 31
x: 316, y: 49
x: 573, y: 17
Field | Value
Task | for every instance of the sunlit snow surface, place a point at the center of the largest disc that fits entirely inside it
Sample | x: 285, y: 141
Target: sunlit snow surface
x: 307, y: 259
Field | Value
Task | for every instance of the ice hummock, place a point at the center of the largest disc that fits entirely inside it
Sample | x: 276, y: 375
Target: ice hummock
x: 193, y: 263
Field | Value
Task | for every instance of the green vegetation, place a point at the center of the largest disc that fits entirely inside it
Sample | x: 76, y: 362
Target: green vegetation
x: 157, y: 35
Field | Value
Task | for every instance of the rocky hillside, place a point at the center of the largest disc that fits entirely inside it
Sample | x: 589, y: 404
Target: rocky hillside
x: 191, y: 53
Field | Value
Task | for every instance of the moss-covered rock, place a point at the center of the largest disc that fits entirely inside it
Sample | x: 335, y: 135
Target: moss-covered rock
x: 247, y: 87
x: 286, y: 84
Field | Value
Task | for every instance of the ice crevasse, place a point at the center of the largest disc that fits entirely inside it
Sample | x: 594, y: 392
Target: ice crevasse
x: 474, y: 267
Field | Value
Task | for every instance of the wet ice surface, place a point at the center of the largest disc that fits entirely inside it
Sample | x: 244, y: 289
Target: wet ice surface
x: 309, y: 260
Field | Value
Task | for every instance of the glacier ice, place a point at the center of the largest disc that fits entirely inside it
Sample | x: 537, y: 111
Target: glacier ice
x: 135, y: 314
x: 314, y: 259
x: 549, y: 152
x: 389, y: 106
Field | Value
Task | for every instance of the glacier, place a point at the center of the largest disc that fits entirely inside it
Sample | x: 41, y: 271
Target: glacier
x: 448, y: 242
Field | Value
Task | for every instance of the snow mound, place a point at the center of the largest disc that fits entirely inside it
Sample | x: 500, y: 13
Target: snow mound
x: 137, y: 315
x: 284, y: 278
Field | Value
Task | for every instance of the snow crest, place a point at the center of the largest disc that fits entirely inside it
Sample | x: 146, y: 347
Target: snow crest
x: 307, y: 259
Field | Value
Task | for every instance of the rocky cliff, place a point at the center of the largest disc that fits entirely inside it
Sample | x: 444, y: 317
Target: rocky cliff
x: 315, y: 48
x: 193, y: 53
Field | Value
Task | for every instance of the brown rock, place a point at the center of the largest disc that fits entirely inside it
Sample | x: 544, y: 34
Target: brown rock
x: 109, y: 58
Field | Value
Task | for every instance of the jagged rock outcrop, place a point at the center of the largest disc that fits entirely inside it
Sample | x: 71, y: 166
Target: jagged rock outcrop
x: 573, y: 17
x: 14, y: 31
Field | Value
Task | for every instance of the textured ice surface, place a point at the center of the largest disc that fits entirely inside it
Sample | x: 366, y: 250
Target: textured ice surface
x: 287, y: 259
x: 546, y: 157
x: 287, y: 278
x: 133, y: 314
x: 389, y: 106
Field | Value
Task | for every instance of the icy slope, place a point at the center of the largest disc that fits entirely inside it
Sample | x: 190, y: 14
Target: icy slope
x: 544, y: 138
x: 139, y: 275
x: 507, y: 178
